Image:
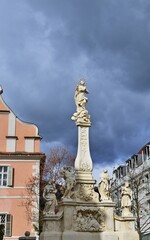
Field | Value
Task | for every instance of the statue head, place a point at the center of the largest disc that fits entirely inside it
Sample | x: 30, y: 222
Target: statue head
x: 82, y: 83
x: 127, y: 184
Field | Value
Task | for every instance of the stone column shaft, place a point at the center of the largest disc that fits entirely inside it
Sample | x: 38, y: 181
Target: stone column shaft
x: 83, y: 161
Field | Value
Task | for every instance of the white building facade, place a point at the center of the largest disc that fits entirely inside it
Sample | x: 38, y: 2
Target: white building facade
x: 136, y: 170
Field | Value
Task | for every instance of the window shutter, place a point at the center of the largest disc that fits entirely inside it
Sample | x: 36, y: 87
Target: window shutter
x: 10, y: 176
x: 8, y: 225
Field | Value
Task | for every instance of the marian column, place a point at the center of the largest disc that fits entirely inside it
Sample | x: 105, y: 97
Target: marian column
x: 83, y: 161
x: 80, y: 214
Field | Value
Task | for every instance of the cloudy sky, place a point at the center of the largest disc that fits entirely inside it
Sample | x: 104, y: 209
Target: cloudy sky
x: 46, y: 46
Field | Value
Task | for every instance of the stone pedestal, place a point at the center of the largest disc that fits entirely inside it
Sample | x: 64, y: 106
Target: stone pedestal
x: 88, y: 221
x: 125, y: 227
x: 52, y: 227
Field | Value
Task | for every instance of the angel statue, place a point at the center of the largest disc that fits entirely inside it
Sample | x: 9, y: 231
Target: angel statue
x: 69, y: 178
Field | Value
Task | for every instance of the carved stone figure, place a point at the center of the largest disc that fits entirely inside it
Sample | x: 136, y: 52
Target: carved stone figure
x: 88, y: 219
x: 49, y: 194
x: 81, y: 221
x: 104, y: 186
x: 93, y: 225
x: 81, y: 114
x: 126, y: 200
x: 69, y: 178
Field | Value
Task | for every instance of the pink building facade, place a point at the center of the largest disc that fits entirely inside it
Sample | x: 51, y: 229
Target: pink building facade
x: 20, y: 160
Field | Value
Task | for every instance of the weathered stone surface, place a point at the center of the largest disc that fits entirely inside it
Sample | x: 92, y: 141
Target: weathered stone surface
x: 126, y: 200
x: 82, y: 216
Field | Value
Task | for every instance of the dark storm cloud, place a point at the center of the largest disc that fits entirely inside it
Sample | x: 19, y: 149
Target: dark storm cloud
x: 46, y: 46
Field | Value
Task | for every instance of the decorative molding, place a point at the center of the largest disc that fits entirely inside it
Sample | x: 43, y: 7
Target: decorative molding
x: 13, y: 137
x: 33, y: 137
x: 4, y: 111
x: 18, y: 160
x: 18, y: 197
x: 85, y: 192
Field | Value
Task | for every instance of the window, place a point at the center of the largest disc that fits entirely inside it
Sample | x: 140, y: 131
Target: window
x: 116, y: 173
x: 6, y: 176
x: 6, y: 220
x: 147, y: 152
x: 3, y: 175
x: 129, y: 164
x: 127, y: 167
x: 29, y: 144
